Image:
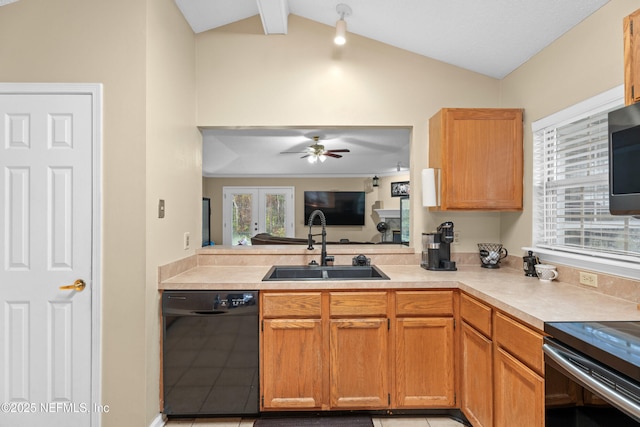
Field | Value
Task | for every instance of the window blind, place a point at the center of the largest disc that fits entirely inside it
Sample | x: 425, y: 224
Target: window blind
x: 571, y: 190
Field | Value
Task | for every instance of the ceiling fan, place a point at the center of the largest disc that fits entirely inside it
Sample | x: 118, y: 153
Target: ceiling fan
x: 316, y: 152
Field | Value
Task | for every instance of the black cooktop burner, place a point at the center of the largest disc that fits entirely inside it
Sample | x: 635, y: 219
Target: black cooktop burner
x: 615, y: 344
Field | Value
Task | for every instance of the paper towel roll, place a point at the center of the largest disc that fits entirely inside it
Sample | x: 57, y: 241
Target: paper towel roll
x: 429, y: 187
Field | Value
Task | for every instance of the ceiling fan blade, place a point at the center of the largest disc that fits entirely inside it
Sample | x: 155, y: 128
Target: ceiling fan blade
x: 329, y: 154
x: 342, y: 150
x: 306, y: 155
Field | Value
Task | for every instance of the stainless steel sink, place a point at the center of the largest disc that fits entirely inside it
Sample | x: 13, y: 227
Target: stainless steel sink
x: 332, y: 272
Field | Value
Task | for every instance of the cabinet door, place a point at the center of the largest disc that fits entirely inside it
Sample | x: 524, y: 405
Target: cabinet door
x: 292, y: 364
x: 359, y: 363
x: 519, y: 393
x: 631, y: 26
x: 480, y: 154
x: 424, y: 363
x: 477, y: 377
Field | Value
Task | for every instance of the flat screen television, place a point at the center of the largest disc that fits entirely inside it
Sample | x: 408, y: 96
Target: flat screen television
x: 339, y: 207
x: 624, y: 161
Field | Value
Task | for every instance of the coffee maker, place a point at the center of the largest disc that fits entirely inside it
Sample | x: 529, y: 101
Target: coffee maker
x: 436, y: 249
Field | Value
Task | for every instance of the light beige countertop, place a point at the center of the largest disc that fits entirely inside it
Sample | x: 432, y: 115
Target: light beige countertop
x: 525, y: 298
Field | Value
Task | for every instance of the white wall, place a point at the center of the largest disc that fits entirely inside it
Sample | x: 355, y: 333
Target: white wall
x: 143, y: 53
x: 245, y: 78
x: 584, y: 62
x: 173, y: 166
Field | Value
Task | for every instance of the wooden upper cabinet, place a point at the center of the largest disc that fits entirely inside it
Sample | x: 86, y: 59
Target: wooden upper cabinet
x: 479, y: 154
x: 631, y: 28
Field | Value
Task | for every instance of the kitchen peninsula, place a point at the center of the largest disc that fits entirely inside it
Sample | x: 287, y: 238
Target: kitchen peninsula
x: 417, y: 330
x: 243, y: 267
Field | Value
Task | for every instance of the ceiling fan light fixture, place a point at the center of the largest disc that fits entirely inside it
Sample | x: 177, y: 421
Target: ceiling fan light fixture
x: 341, y: 26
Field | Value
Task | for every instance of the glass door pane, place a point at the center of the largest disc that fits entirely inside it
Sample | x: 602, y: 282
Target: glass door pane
x: 275, y: 214
x: 248, y: 211
x: 244, y: 218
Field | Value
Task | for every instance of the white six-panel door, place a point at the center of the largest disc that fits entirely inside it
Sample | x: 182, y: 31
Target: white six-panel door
x: 45, y: 244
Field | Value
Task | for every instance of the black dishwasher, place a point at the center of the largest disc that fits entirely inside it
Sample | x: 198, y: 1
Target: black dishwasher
x: 210, y: 353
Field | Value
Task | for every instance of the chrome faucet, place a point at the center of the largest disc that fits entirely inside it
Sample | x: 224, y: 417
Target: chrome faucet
x: 323, y: 254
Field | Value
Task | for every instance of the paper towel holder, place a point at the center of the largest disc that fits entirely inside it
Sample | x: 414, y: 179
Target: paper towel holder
x: 430, y: 184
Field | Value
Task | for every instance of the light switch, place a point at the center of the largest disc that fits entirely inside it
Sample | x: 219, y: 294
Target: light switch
x: 161, y: 209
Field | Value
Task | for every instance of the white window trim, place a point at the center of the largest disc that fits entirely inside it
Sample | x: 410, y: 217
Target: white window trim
x: 608, y: 99
x: 618, y: 265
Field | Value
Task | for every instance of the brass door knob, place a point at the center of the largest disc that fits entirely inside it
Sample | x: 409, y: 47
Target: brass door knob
x: 78, y: 286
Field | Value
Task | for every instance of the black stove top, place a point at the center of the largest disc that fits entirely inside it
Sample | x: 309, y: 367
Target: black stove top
x: 615, y: 344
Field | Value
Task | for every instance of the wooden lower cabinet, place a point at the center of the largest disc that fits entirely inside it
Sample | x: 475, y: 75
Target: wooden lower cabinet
x: 425, y: 363
x: 292, y: 364
x: 476, y: 361
x: 476, y: 376
x: 518, y: 393
x: 395, y: 349
x: 359, y: 371
x: 350, y: 350
x: 292, y: 343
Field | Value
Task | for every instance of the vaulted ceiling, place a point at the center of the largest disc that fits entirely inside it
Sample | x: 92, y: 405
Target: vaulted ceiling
x: 491, y: 37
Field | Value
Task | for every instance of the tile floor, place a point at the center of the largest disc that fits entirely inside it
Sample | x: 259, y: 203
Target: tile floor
x: 413, y: 421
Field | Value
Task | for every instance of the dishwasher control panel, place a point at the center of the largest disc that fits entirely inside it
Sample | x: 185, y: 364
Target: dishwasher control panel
x: 207, y: 302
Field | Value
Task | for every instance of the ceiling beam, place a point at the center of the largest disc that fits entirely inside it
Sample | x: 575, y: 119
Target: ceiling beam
x: 274, y: 15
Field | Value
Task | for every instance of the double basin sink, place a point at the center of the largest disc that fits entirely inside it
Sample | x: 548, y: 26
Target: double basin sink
x: 331, y: 272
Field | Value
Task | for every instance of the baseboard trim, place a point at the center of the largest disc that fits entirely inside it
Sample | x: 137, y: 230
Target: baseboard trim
x: 159, y: 421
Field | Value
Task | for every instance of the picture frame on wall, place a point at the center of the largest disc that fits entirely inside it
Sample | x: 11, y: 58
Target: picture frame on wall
x: 400, y: 189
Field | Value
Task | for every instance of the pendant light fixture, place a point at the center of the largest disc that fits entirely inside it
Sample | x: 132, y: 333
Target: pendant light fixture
x: 341, y: 26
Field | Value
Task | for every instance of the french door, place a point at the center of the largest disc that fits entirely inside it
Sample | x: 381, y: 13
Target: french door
x: 248, y: 211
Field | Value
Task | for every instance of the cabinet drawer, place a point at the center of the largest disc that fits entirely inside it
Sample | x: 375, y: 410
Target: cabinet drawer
x: 424, y: 303
x: 290, y: 304
x: 358, y: 304
x: 520, y: 341
x: 476, y: 314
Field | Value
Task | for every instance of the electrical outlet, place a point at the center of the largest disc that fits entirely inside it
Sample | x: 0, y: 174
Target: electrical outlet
x: 589, y: 279
x: 456, y: 237
x: 187, y: 240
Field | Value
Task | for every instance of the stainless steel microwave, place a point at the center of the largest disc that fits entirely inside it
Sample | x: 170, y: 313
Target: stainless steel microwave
x: 624, y: 160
